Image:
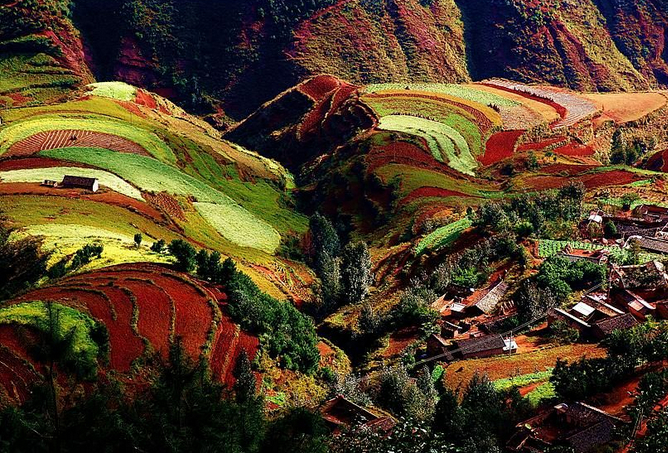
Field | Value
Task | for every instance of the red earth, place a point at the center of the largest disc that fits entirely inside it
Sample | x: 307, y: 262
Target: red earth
x: 431, y: 192
x: 138, y: 303
x: 500, y: 146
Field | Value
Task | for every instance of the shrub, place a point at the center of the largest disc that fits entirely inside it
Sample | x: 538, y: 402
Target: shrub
x: 184, y: 253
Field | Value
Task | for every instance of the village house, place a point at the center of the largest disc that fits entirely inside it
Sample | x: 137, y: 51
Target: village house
x: 486, y: 346
x: 50, y: 183
x: 340, y: 413
x: 594, y: 256
x: 439, y: 346
x: 579, y: 426
x: 572, y: 321
x: 631, y: 302
x: 650, y: 275
x: 80, y: 182
x: 604, y: 327
x: 650, y: 213
x: 651, y: 244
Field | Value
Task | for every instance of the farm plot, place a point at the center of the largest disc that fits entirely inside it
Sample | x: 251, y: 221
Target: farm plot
x: 500, y: 146
x: 459, y: 374
x: 467, y: 92
x: 22, y: 130
x: 575, y: 108
x: 154, y: 176
x: 443, y: 236
x: 626, y: 107
x: 37, y: 175
x: 63, y: 138
x: 114, y: 90
x: 445, y: 143
x: 548, y: 248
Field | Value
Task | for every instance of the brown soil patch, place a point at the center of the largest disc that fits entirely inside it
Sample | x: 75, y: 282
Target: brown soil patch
x: 73, y: 138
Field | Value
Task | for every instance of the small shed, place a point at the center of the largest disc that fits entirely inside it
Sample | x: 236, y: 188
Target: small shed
x: 487, y: 301
x: 50, y: 183
x: 80, y: 182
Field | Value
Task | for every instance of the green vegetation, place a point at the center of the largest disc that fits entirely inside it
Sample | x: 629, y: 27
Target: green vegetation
x: 56, y: 174
x: 114, y: 90
x: 445, y: 143
x: 22, y: 262
x: 523, y: 380
x: 154, y: 176
x: 542, y: 393
x: 81, y: 328
x: 548, y: 248
x: 443, y: 236
x: 461, y: 91
x: 240, y: 226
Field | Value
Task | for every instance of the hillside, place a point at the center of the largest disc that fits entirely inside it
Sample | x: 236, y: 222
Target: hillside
x: 180, y: 51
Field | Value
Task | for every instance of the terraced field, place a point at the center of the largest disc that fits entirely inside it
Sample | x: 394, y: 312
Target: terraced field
x: 144, y: 307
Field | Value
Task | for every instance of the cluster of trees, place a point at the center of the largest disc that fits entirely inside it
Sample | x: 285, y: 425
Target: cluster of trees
x: 542, y: 215
x: 182, y: 409
x: 556, y: 280
x: 284, y: 332
x: 81, y: 257
x: 627, y: 350
x: 344, y: 272
x: 623, y: 152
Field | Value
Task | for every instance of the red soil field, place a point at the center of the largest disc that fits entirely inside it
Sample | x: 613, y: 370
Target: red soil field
x: 319, y: 87
x: 406, y: 154
x: 145, y: 99
x: 133, y: 108
x: 500, y: 146
x: 606, y: 179
x: 540, y: 146
x: 166, y: 203
x: 193, y: 321
x: 658, y: 162
x: 575, y: 149
x: 73, y: 138
x: 15, y: 375
x: 431, y: 192
x: 35, y: 162
x: 116, y: 295
x: 155, y: 314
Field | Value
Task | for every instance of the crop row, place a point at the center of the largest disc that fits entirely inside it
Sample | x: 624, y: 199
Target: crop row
x: 577, y: 108
x: 62, y: 138
x: 443, y: 236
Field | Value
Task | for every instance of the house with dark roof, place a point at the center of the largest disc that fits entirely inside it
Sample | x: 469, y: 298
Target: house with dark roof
x: 651, y: 213
x: 80, y: 182
x: 604, y: 327
x: 486, y: 346
x: 650, y: 275
x: 579, y: 426
x: 652, y: 244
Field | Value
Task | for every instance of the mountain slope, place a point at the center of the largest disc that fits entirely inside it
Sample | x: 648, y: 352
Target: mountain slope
x: 212, y: 54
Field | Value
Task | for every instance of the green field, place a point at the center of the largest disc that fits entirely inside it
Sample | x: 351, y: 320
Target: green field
x: 413, y: 178
x: 240, y: 226
x: 154, y: 176
x: 463, y: 92
x: 114, y: 90
x: 445, y: 143
x: 36, y: 175
x: 95, y: 123
x: 548, y: 248
x: 443, y: 236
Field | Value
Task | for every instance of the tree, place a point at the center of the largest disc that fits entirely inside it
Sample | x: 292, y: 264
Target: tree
x: 323, y: 238
x: 356, y: 274
x: 330, y: 281
x: 610, y: 229
x: 158, y: 246
x: 184, y: 253
x: 138, y: 238
x: 245, y: 386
